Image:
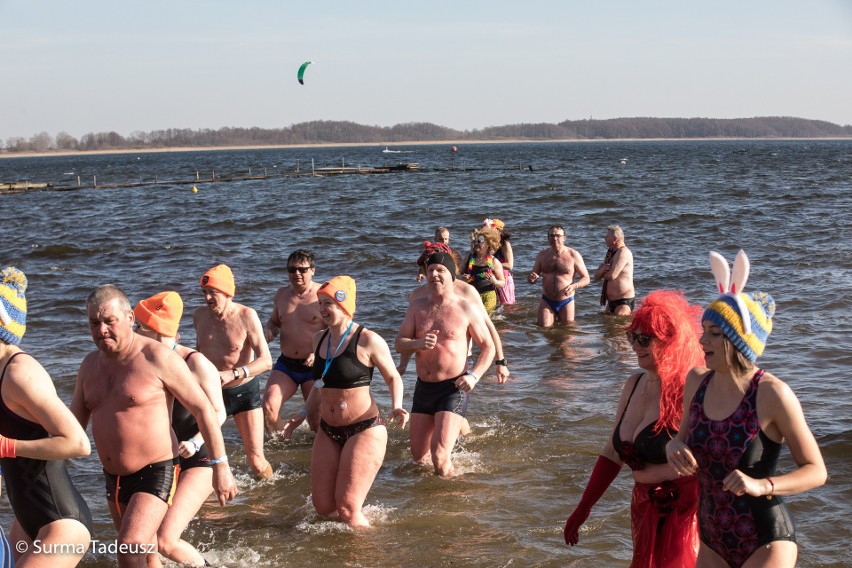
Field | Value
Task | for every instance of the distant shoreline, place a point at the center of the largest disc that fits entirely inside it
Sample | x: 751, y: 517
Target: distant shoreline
x: 58, y: 153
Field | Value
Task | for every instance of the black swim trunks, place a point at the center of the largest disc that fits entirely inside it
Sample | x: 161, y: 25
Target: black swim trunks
x: 159, y: 479
x: 442, y: 396
x: 342, y: 433
x: 242, y: 398
x: 612, y: 304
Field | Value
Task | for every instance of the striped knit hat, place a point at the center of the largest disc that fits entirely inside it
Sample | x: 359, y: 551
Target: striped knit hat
x: 745, y: 319
x: 724, y: 313
x: 13, y: 305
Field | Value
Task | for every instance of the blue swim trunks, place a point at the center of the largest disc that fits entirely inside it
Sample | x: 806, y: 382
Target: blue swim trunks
x: 294, y: 368
x: 557, y: 305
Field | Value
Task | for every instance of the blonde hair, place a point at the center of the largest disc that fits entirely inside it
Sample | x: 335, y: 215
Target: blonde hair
x: 491, y: 236
x: 617, y: 232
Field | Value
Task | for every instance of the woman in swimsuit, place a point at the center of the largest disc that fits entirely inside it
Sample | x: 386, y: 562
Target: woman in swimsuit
x: 37, y: 433
x: 158, y: 317
x: 735, y: 418
x: 350, y: 445
x: 483, y: 270
x: 506, y: 256
x: 664, y: 336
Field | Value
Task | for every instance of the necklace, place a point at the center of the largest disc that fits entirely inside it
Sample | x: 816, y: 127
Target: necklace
x: 471, y: 262
x: 328, y: 356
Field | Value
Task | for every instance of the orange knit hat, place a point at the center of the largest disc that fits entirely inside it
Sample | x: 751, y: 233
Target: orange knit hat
x: 221, y: 278
x: 161, y: 313
x: 341, y: 289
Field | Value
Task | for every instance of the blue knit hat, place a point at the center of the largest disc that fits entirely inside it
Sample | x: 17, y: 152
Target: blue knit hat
x: 13, y: 305
x: 745, y: 319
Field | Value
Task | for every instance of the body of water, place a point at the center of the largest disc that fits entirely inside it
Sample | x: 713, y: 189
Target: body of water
x: 536, y: 438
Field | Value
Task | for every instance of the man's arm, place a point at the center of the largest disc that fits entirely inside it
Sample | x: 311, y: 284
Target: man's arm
x: 478, y: 331
x: 254, y: 336
x: 622, y: 261
x: 405, y: 343
x: 273, y: 325
x: 78, y: 401
x: 581, y: 271
x: 178, y: 379
x: 536, y: 271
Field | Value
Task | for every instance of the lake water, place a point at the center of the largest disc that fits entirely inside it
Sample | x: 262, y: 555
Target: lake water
x: 534, y: 439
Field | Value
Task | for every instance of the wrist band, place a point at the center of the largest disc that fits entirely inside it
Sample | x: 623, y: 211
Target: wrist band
x: 246, y: 371
x: 772, y: 488
x: 303, y: 412
x: 219, y: 460
x: 472, y: 374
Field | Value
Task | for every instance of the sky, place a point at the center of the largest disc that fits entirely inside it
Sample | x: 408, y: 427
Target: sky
x: 131, y: 65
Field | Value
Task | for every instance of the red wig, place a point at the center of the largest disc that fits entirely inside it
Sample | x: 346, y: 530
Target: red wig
x: 676, y: 327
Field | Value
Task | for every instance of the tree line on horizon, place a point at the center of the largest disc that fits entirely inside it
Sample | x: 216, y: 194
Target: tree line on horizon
x: 343, y: 132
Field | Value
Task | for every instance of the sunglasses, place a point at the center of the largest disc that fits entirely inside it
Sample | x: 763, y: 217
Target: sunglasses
x: 642, y: 340
x: 300, y: 269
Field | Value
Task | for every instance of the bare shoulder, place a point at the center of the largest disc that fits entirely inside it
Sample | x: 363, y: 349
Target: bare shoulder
x: 89, y: 361
x: 199, y: 314
x: 467, y: 291
x: 370, y: 338
x: 774, y: 391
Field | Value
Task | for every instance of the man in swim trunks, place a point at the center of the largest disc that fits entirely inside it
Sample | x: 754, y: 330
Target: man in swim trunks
x: 556, y: 267
x: 616, y: 271
x: 295, y: 319
x: 127, y: 387
x: 437, y: 327
x: 230, y: 335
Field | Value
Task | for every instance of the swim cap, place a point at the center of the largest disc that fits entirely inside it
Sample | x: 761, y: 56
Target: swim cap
x: 445, y: 259
x: 341, y: 289
x: 13, y: 305
x: 221, y: 278
x: 161, y: 313
x: 724, y: 313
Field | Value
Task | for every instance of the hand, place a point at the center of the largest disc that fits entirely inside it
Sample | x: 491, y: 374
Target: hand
x: 680, y: 457
x: 224, y: 483
x: 430, y: 340
x: 570, y: 289
x: 571, y: 532
x: 532, y: 278
x: 400, y: 416
x: 268, y: 333
x: 292, y: 424
x: 466, y: 382
x: 309, y: 360
x: 739, y: 484
x: 502, y: 374
x: 187, y: 449
x: 401, y: 369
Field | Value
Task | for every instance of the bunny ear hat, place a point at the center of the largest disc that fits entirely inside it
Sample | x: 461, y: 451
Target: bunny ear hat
x: 744, y: 319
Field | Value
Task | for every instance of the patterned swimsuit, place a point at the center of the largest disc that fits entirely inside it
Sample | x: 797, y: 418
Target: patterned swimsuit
x: 734, y: 527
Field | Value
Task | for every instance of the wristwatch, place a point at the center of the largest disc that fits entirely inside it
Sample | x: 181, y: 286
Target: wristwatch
x: 236, y: 373
x: 501, y: 362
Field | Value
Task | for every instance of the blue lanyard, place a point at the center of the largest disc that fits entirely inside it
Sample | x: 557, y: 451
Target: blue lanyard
x: 328, y: 357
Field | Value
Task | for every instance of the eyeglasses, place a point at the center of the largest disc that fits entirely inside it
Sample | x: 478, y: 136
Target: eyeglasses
x: 642, y: 340
x: 300, y: 269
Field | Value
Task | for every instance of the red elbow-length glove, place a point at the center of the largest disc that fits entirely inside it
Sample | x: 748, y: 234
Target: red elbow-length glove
x: 603, y: 474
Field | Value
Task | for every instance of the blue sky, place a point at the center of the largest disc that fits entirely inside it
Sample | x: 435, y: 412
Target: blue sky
x: 93, y: 66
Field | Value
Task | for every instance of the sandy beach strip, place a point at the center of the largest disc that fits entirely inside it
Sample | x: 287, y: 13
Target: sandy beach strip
x: 375, y: 144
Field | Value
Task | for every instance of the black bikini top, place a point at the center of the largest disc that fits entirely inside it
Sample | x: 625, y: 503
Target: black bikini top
x: 646, y: 448
x: 12, y: 425
x: 345, y: 371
